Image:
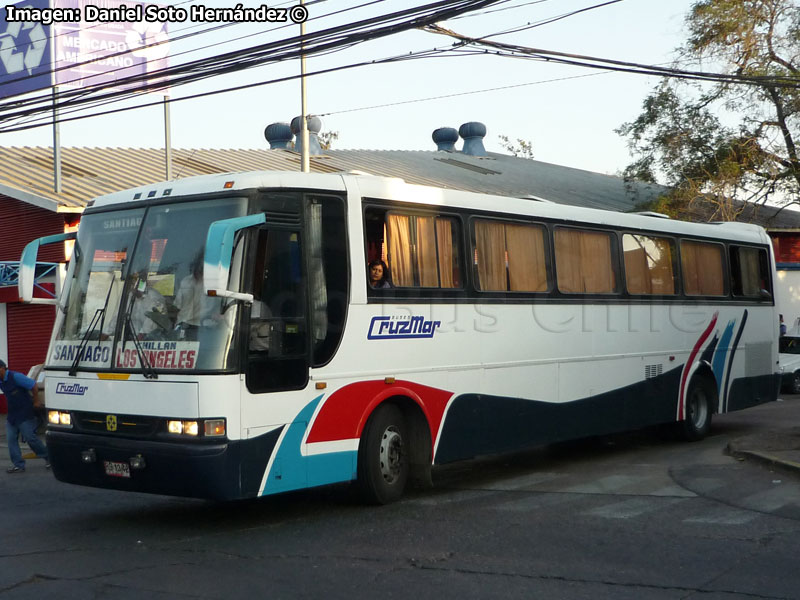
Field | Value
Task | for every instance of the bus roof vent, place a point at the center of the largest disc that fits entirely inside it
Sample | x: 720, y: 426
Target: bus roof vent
x: 652, y: 213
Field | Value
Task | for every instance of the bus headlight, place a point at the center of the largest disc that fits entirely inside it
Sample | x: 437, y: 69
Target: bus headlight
x: 59, y: 418
x: 205, y: 428
x: 183, y: 427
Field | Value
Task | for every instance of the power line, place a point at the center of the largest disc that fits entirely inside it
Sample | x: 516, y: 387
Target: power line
x: 518, y: 51
x: 101, y: 101
x: 497, y: 10
x: 316, y: 43
x: 457, y: 94
x: 398, y: 58
x: 87, y: 101
x: 231, y: 61
x: 172, y: 40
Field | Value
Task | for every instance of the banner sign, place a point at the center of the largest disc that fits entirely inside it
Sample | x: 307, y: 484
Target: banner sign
x: 93, y: 51
x: 24, y: 51
x: 98, y: 354
x: 79, y: 43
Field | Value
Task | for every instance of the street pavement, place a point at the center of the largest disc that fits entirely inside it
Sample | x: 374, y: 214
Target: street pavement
x: 633, y: 516
x: 777, y: 445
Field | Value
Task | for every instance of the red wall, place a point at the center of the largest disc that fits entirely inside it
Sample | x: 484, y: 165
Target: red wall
x: 21, y: 223
x: 787, y: 247
x: 29, y: 329
x: 29, y: 325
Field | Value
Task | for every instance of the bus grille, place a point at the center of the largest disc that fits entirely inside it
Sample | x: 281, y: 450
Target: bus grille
x: 130, y: 425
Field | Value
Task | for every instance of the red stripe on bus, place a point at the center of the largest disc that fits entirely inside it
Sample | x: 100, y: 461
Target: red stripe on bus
x: 690, y: 362
x: 345, y: 413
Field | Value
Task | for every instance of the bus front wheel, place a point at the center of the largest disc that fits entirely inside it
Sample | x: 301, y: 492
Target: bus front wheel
x: 698, y: 410
x: 383, y: 456
x: 795, y: 388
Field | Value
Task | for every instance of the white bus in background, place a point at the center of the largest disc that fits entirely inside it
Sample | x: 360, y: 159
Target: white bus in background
x: 508, y: 323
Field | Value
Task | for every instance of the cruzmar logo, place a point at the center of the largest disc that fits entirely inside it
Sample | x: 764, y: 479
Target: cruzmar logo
x: 401, y: 328
x: 111, y: 422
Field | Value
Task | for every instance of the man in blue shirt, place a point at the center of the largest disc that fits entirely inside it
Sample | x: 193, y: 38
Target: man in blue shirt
x: 20, y: 392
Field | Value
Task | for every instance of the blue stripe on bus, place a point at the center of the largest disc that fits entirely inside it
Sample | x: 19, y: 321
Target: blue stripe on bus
x: 725, y: 395
x: 718, y: 364
x: 292, y: 471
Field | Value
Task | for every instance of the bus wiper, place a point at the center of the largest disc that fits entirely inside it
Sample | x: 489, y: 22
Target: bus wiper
x: 99, y: 317
x: 148, y: 370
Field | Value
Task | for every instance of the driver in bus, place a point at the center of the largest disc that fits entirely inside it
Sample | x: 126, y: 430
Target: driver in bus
x: 149, y: 312
x: 195, y: 309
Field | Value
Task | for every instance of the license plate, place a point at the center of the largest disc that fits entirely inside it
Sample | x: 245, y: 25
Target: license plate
x: 117, y: 469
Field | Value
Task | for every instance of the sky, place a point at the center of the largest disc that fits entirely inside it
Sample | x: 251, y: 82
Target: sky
x: 568, y: 113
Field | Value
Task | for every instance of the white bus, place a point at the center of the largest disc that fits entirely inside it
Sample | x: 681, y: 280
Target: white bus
x: 217, y: 336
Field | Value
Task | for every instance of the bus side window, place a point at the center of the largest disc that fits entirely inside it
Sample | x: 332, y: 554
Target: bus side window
x: 702, y: 268
x: 328, y: 274
x: 750, y: 272
x: 421, y: 251
x: 260, y: 326
x: 510, y: 256
x: 650, y: 264
x: 584, y: 261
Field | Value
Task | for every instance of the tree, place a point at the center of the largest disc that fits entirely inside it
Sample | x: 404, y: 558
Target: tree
x: 731, y: 144
x: 326, y: 139
x: 524, y: 150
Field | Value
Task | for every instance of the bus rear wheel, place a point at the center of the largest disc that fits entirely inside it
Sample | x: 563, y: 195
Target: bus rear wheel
x: 383, y: 463
x: 699, y: 399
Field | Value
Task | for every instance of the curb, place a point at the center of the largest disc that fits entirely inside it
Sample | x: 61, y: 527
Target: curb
x: 767, y: 459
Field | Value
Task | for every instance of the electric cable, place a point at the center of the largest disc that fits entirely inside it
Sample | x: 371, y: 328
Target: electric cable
x: 319, y: 42
x: 172, y: 40
x: 292, y: 47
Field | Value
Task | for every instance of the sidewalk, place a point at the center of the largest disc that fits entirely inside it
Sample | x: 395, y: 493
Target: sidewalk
x: 780, y: 448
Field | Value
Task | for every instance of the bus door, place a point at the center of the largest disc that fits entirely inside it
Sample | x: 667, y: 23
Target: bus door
x: 277, y: 354
x: 298, y: 277
x: 300, y: 287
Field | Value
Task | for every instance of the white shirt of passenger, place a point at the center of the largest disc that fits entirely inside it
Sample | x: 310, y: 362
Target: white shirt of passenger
x: 193, y: 305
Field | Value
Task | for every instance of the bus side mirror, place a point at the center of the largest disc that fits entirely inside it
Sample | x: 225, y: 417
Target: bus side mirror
x: 27, y: 267
x: 219, y: 253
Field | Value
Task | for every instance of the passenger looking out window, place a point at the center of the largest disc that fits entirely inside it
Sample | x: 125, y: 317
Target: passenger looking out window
x: 378, y: 274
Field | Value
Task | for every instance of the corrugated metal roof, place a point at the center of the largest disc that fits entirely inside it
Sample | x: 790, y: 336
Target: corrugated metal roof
x: 91, y: 172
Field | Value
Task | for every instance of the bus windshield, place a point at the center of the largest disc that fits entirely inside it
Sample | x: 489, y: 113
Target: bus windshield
x: 136, y: 297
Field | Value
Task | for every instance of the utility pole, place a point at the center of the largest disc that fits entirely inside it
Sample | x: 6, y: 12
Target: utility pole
x: 167, y: 140
x: 305, y: 161
x: 56, y: 144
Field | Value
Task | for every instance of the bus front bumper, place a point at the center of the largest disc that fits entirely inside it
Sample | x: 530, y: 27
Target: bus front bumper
x: 224, y: 470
